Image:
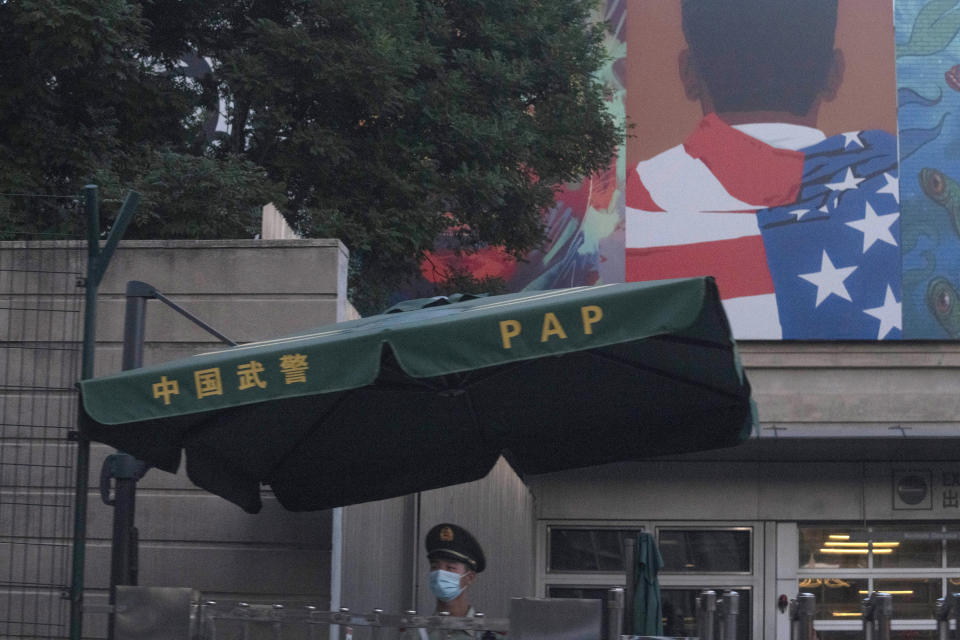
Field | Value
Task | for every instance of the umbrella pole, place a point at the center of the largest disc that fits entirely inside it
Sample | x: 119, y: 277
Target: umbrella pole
x: 629, y: 591
x: 122, y: 468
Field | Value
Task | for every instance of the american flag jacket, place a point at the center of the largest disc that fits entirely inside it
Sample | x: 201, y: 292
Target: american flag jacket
x: 801, y: 231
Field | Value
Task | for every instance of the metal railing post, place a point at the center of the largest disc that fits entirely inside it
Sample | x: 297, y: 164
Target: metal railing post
x: 615, y: 613
x: 802, y: 611
x: 877, y: 612
x: 706, y: 612
x: 727, y: 609
x: 941, y: 613
x: 868, y: 616
x: 884, y: 614
x: 953, y: 601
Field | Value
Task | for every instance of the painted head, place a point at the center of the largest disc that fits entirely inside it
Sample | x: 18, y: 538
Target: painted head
x: 761, y: 55
x: 455, y: 560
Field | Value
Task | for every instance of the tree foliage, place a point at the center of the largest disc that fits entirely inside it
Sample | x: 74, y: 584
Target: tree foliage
x: 380, y: 122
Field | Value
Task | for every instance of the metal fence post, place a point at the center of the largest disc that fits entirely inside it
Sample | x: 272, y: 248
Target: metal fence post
x: 83, y: 445
x: 615, y: 613
x: 97, y: 262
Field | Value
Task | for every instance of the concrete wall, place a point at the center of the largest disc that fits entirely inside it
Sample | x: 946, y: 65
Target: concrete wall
x: 379, y: 548
x: 248, y: 290
x: 855, y: 389
x: 273, y: 226
x: 743, y: 490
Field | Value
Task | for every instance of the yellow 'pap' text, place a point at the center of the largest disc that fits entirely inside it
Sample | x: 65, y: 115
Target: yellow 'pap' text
x: 551, y: 326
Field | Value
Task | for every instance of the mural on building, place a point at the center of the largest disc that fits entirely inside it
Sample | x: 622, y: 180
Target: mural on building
x: 928, y: 77
x: 793, y: 150
x: 584, y: 244
x: 796, y: 214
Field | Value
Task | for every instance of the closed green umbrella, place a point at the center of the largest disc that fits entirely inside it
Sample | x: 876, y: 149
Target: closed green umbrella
x: 403, y: 402
x: 647, y: 604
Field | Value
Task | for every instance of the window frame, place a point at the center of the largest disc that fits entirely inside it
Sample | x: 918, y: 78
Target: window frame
x: 871, y: 573
x: 549, y: 540
x: 583, y: 579
x: 751, y: 552
x: 754, y: 580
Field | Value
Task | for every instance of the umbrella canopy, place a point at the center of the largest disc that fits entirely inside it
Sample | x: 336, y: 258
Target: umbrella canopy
x: 403, y: 402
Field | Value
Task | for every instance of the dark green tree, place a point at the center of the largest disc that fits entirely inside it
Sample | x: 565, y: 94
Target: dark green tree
x: 379, y: 122
x: 84, y: 99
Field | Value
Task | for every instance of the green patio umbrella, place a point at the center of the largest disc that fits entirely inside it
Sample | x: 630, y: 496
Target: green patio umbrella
x: 403, y: 402
x: 647, y: 605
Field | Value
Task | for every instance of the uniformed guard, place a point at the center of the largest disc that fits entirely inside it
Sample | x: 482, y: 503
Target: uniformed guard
x: 455, y: 560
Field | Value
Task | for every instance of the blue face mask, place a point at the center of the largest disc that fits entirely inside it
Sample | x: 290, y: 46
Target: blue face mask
x: 445, y: 585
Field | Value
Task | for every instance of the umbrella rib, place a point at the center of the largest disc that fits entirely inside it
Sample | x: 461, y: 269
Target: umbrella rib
x: 666, y: 374
x: 415, y: 384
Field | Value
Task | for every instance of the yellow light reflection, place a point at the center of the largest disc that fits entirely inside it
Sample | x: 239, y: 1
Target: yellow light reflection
x: 845, y: 614
x: 905, y: 592
x: 856, y: 551
x: 831, y: 583
x: 839, y: 536
x: 876, y: 545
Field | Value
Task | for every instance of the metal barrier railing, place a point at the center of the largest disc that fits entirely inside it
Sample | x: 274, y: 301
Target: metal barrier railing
x: 272, y: 621
x: 717, y: 617
x: 176, y: 613
x: 876, y: 614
